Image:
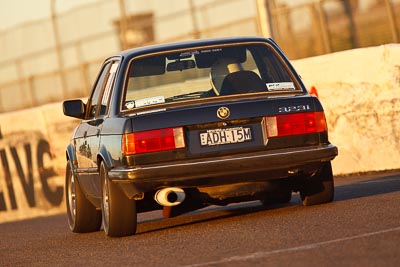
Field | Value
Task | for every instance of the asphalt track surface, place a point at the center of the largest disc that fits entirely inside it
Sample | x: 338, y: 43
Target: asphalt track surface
x: 360, y: 228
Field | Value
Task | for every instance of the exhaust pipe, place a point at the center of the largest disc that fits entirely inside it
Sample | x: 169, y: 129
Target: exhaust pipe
x: 170, y: 196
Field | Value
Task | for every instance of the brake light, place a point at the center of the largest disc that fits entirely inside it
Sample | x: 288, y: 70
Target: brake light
x: 152, y: 141
x: 295, y: 124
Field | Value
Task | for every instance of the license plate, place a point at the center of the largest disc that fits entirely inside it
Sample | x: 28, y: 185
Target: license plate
x: 225, y: 136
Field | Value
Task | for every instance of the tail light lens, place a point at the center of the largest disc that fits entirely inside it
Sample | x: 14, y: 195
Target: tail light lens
x: 153, y: 141
x: 295, y: 124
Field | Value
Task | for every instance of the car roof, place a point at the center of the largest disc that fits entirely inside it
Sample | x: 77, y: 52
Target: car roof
x: 188, y: 44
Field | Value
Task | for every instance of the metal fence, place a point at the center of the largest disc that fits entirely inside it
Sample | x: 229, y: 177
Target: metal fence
x: 326, y: 26
x: 58, y: 58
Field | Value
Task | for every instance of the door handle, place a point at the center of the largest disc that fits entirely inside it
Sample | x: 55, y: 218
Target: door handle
x: 85, y: 134
x: 98, y: 132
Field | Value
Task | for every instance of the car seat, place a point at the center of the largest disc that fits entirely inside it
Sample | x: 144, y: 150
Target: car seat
x: 242, y: 82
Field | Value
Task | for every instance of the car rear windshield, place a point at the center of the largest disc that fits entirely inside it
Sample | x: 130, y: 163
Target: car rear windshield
x: 205, y: 72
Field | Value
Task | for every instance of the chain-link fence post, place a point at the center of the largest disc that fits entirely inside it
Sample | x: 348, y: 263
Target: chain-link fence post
x: 392, y: 21
x: 57, y: 46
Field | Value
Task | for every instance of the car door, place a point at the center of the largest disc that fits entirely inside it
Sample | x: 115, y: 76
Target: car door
x: 99, y: 114
x: 90, y: 129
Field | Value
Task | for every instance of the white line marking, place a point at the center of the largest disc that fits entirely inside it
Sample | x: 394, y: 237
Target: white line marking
x: 380, y: 181
x: 263, y: 254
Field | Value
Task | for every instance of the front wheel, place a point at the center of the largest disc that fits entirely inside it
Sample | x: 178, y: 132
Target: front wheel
x: 83, y: 216
x: 319, y: 188
x: 119, y: 212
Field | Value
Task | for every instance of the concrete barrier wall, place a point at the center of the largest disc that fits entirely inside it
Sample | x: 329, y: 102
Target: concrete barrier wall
x: 32, y: 162
x: 359, y: 90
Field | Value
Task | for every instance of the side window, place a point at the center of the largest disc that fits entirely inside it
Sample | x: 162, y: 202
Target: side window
x: 102, y: 90
x: 94, y: 100
x: 108, y: 86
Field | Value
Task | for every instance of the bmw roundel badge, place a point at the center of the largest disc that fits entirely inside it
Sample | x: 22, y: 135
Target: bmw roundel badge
x: 223, y: 113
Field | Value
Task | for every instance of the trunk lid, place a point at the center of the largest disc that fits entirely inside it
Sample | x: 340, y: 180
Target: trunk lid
x: 243, y: 129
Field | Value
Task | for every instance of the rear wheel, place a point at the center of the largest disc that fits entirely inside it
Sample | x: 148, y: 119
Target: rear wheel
x: 319, y: 188
x: 82, y: 214
x: 119, y: 212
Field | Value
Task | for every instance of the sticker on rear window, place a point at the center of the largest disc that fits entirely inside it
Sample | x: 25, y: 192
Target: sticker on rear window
x: 281, y: 86
x: 189, y: 54
x: 130, y: 104
x: 149, y: 101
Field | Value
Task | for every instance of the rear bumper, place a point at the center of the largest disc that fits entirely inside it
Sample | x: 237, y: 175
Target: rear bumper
x: 194, y: 172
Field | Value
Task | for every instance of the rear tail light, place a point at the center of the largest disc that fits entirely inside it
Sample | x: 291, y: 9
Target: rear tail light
x: 153, y: 141
x: 295, y: 124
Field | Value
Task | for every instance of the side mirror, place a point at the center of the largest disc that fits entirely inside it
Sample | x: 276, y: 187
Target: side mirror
x: 74, y: 108
x: 313, y: 91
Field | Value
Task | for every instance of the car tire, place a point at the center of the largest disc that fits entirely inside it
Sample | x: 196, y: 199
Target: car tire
x: 319, y: 188
x: 119, y: 212
x: 82, y: 214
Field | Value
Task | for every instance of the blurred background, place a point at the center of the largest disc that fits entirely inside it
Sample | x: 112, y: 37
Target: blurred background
x: 51, y: 50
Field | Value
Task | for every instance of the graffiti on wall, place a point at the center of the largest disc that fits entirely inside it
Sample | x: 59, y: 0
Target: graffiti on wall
x: 26, y: 162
